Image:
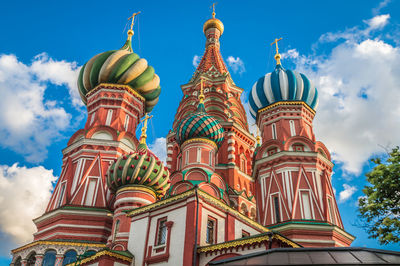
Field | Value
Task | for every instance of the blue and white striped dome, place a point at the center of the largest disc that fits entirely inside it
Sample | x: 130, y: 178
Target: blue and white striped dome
x: 282, y: 85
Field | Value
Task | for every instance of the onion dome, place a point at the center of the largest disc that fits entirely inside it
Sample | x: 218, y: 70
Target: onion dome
x: 282, y: 85
x: 139, y: 168
x: 200, y: 125
x: 123, y: 67
x: 213, y: 23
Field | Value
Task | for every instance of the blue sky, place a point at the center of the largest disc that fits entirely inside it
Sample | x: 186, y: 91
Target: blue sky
x: 350, y: 49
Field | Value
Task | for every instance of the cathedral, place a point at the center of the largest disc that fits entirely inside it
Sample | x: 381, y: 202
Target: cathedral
x: 222, y: 197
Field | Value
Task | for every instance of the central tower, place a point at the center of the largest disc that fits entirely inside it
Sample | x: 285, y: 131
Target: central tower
x: 232, y: 160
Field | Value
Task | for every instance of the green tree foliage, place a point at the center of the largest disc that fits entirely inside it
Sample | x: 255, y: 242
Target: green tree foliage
x: 380, y: 207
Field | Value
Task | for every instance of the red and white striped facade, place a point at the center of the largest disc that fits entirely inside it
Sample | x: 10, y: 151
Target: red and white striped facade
x: 293, y: 173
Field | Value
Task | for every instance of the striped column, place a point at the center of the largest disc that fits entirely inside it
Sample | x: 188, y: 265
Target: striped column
x: 231, y: 147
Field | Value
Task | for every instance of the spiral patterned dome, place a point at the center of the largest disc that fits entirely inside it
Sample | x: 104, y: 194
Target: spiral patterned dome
x: 139, y: 168
x: 282, y: 85
x: 123, y: 67
x: 200, y: 125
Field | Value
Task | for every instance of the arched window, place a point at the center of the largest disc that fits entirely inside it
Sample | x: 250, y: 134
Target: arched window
x: 273, y: 126
x: 31, y: 259
x: 92, y: 118
x: 292, y: 128
x: 69, y: 257
x: 211, y: 158
x: 49, y: 258
x: 116, y: 229
x: 17, y: 262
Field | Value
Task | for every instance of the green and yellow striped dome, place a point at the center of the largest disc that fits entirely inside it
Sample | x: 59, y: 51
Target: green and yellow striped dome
x: 139, y: 168
x: 123, y: 67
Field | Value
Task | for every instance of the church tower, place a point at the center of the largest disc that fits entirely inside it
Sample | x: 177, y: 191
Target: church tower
x: 226, y: 164
x: 292, y: 169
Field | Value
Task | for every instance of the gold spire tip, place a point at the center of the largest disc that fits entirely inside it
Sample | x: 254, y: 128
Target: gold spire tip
x: 130, y: 31
x: 277, y: 55
x: 213, y: 7
x: 143, y: 136
x: 201, y: 95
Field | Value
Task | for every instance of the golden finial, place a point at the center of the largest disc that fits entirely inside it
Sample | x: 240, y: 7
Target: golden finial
x: 277, y: 55
x: 130, y: 31
x: 143, y: 136
x: 201, y: 95
x: 213, y: 7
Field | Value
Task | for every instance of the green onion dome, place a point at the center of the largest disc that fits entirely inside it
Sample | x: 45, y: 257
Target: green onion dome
x: 139, y: 168
x: 123, y: 67
x: 200, y: 125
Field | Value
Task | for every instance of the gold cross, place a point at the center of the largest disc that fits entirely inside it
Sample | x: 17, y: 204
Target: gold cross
x: 201, y: 95
x: 276, y: 43
x: 133, y: 18
x: 213, y: 7
x: 143, y: 136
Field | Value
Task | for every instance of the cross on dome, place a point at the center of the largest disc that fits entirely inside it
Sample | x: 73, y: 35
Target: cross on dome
x: 277, y: 55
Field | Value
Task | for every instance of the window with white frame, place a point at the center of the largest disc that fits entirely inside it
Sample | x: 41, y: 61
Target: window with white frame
x: 187, y: 157
x: 198, y: 155
x: 162, y: 232
x: 90, y: 190
x: 330, y: 210
x: 210, y: 233
x: 276, y: 208
x: 305, y: 198
x: 211, y: 158
x: 109, y: 117
x: 292, y: 128
x: 92, y: 118
x: 61, y: 194
x: 126, y: 123
x: 273, y: 126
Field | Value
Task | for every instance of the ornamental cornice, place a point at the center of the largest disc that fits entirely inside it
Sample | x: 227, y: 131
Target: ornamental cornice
x: 269, y: 107
x: 58, y: 243
x: 204, y: 140
x: 102, y: 253
x: 247, y: 241
x: 119, y: 86
x: 137, y: 188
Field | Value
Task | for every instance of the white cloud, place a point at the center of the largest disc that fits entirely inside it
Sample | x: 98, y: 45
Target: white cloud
x: 358, y: 84
x: 292, y: 54
x: 381, y: 5
x: 24, y: 193
x: 346, y: 193
x: 378, y: 22
x: 29, y: 122
x: 236, y: 64
x: 158, y: 147
x: 58, y: 73
x: 196, y: 60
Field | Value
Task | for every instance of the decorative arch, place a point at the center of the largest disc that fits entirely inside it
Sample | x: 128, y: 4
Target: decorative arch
x: 268, y: 144
x: 218, y: 181
x: 70, y: 256
x: 210, y: 189
x: 196, y: 174
x: 301, y: 139
x: 181, y: 187
x: 76, y: 136
x: 243, y: 209
x: 321, y: 146
x: 49, y: 258
x: 102, y: 128
x: 175, y: 178
x: 31, y: 259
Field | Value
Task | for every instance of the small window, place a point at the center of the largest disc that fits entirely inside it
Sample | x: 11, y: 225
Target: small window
x: 305, y: 198
x: 243, y: 165
x: 187, y: 157
x: 245, y: 234
x: 210, y: 236
x: 92, y: 118
x: 292, y: 128
x: 89, y: 200
x: 109, y: 117
x: 273, y: 131
x: 116, y: 229
x: 61, y: 195
x: 199, y: 155
x: 277, y: 209
x: 162, y: 232
x: 126, y: 124
x: 211, y: 158
x: 298, y: 147
x: 331, y: 213
x: 272, y: 151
